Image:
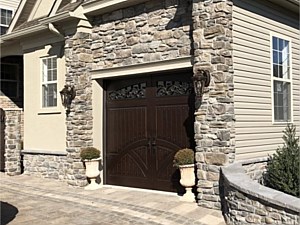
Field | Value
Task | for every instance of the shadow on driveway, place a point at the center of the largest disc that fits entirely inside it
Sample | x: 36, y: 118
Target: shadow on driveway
x: 8, y: 212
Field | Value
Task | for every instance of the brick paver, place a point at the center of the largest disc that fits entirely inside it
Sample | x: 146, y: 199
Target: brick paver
x: 38, y: 201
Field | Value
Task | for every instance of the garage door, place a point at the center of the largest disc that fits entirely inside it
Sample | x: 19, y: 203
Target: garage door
x: 147, y: 120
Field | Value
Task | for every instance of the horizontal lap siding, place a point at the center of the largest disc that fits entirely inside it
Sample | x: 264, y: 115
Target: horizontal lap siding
x: 253, y: 21
x: 10, y: 4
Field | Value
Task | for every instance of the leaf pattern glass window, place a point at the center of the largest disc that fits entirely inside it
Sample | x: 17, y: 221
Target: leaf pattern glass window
x: 281, y: 64
x: 49, y: 82
x: 129, y: 92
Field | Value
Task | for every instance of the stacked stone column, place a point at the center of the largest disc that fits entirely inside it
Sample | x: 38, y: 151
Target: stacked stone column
x: 13, y: 142
x: 79, y: 120
x: 214, y: 119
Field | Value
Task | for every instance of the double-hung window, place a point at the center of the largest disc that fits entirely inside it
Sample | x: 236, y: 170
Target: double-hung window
x: 49, y: 82
x: 281, y: 79
x: 5, y: 18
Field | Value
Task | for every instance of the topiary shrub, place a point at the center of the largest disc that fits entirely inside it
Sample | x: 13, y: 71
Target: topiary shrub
x: 283, y: 173
x: 89, y: 153
x: 184, y: 157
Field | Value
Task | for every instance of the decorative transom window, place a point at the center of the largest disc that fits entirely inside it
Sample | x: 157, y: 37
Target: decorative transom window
x: 49, y: 82
x: 281, y: 78
x: 9, y: 80
x: 5, y: 18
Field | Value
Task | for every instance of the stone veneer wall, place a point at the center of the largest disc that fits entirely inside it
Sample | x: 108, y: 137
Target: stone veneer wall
x: 244, y: 201
x: 80, y: 120
x: 13, y: 118
x: 214, y: 119
x: 46, y: 166
x: 152, y: 31
x: 255, y: 168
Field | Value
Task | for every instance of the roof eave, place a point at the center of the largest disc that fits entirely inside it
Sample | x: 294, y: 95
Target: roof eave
x: 43, y: 25
x: 23, y: 33
x: 292, y: 5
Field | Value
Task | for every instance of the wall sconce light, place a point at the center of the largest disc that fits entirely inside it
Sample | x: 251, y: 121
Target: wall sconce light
x: 200, y: 80
x: 67, y: 94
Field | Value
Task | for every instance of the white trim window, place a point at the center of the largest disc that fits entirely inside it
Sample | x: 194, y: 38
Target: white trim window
x: 5, y: 19
x: 281, y: 79
x: 49, y: 82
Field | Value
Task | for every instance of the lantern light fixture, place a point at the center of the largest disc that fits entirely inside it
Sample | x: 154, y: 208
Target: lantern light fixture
x: 67, y: 94
x: 200, y: 80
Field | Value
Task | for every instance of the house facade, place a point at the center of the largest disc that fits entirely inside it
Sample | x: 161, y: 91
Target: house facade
x: 131, y: 64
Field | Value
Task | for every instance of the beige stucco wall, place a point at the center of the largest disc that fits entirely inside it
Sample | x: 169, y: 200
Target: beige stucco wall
x: 253, y: 23
x: 98, y: 107
x: 43, y: 129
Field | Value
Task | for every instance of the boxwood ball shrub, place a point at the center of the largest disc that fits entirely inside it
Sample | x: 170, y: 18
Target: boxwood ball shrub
x: 283, y: 169
x: 89, y: 153
x: 183, y: 157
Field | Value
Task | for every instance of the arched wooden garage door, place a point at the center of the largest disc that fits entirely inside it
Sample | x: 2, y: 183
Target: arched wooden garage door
x: 147, y: 120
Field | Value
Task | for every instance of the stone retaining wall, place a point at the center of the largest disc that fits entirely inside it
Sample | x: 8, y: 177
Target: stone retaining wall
x: 255, y: 168
x: 244, y: 201
x: 46, y: 165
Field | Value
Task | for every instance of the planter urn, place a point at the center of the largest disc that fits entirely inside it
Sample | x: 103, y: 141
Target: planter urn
x: 92, y: 172
x: 187, y: 180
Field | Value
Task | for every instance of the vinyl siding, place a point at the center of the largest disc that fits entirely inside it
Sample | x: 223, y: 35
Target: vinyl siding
x: 10, y: 4
x: 253, y: 22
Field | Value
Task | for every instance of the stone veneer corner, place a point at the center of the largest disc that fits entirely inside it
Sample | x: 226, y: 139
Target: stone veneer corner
x: 214, y: 119
x: 79, y: 121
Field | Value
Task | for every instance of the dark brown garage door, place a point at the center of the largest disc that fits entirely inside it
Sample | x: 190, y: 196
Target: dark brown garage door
x: 147, y: 120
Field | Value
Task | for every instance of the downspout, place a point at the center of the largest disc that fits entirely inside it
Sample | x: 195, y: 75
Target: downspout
x: 55, y: 31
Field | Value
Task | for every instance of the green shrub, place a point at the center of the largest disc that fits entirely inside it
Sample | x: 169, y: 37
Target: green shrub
x: 89, y: 153
x: 183, y: 157
x: 283, y: 171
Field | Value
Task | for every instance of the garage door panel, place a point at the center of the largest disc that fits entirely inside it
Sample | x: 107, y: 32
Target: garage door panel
x: 146, y: 125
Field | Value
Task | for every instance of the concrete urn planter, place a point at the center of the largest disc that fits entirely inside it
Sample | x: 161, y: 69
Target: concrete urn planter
x: 188, y: 180
x: 92, y: 172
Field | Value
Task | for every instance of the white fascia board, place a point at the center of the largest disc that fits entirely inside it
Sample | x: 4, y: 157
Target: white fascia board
x: 78, y: 13
x: 96, y: 7
x: 55, y: 8
x: 56, y: 18
x: 16, y: 16
x: 43, y: 24
x: 23, y: 32
x: 167, y: 65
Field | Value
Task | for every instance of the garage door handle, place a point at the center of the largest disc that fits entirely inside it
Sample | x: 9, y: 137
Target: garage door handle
x: 153, y: 142
x: 149, y: 143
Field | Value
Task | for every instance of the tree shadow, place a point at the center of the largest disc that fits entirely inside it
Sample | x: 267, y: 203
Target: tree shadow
x: 182, y: 16
x: 8, y: 212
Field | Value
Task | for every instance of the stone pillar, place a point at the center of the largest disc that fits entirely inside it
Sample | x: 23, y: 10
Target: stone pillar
x: 13, y: 141
x: 79, y: 121
x: 214, y: 119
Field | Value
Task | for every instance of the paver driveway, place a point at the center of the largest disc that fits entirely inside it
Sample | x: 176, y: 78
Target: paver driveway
x: 36, y: 201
